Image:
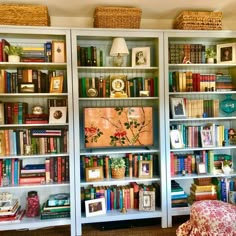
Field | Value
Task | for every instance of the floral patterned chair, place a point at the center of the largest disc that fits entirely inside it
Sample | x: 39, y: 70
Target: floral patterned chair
x: 210, y: 218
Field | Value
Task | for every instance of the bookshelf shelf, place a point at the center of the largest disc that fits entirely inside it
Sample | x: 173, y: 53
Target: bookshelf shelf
x: 102, y: 40
x: 17, y: 136
x: 179, y: 173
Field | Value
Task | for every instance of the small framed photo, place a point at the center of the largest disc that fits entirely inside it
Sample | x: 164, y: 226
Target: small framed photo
x: 94, y: 173
x: 201, y: 168
x: 176, y: 139
x: 57, y: 115
x: 146, y: 200
x: 141, y: 57
x: 26, y: 88
x: 95, y: 207
x: 56, y: 84
x: 58, y: 52
x: 207, y: 138
x: 145, y: 169
x: 177, y: 107
x: 226, y: 53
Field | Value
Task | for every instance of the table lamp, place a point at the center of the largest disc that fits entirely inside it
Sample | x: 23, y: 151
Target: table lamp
x: 118, y: 51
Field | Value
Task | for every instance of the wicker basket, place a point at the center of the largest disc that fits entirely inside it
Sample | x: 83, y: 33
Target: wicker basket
x: 31, y: 15
x: 118, y: 173
x: 117, y: 17
x: 196, y: 20
x: 203, y: 181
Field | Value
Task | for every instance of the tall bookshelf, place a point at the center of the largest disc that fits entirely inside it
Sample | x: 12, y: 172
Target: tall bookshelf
x: 101, y: 39
x: 36, y: 37
x: 213, y: 118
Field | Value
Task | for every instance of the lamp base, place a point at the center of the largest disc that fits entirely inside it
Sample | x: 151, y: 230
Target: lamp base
x: 118, y: 61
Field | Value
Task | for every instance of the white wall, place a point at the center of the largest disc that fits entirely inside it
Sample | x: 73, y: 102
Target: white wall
x: 80, y: 22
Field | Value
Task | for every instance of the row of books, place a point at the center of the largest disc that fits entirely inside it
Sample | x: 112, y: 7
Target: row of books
x: 33, y: 53
x: 188, y: 81
x: 133, y: 87
x: 89, y: 56
x: 198, y: 108
x: 42, y: 141
x: 192, y: 137
x: 37, y: 81
x: 54, y: 169
x: 183, y: 53
x: 188, y: 162
x: 18, y: 112
x: 117, y: 197
x: 131, y: 164
x: 56, y: 206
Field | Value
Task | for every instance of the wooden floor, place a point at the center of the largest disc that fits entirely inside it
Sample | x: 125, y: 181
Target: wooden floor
x: 130, y: 228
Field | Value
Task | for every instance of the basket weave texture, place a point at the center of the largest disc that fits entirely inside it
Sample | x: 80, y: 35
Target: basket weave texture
x: 118, y: 173
x: 198, y: 20
x: 24, y: 14
x: 117, y: 17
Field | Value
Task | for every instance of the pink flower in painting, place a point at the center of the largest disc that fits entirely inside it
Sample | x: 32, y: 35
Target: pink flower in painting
x: 92, y: 134
x: 119, y: 134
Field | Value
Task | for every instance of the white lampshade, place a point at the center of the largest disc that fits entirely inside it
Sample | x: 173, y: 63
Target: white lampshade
x: 119, y: 47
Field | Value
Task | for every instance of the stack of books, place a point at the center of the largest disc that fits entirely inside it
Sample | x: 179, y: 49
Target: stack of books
x: 33, y: 54
x: 10, y: 209
x: 203, y: 192
x: 178, y: 196
x: 224, y: 83
x: 32, y: 174
x: 57, y: 206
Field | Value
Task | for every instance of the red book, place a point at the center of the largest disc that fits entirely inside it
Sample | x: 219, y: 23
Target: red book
x: 135, y: 165
x: 130, y: 165
x: 32, y: 180
x: 59, y: 170
x: 136, y: 194
x: 4, y: 54
x: 47, y: 170
x: 63, y: 169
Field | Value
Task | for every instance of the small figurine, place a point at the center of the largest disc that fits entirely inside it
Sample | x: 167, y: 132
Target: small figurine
x: 37, y: 110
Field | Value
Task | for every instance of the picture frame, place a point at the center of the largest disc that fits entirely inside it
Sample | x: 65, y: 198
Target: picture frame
x: 57, y: 115
x: 56, y: 84
x: 226, y: 53
x: 207, y: 138
x: 201, y: 168
x: 94, y: 173
x: 146, y: 200
x: 176, y: 139
x: 178, y: 110
x: 58, y: 52
x: 145, y: 169
x: 95, y: 207
x: 141, y: 57
x: 26, y: 87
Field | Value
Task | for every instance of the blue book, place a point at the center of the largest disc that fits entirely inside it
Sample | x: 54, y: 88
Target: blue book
x: 179, y: 196
x: 108, y: 199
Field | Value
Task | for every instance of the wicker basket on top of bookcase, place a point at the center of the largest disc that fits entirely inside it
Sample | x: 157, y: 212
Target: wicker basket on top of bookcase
x: 24, y: 14
x: 199, y: 20
x: 117, y: 17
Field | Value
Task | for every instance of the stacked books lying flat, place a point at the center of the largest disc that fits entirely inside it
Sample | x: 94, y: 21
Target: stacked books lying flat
x: 178, y: 196
x: 203, y: 192
x: 10, y: 210
x: 57, y: 206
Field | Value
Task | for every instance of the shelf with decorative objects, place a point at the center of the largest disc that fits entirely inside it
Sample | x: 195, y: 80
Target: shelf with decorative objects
x: 201, y: 117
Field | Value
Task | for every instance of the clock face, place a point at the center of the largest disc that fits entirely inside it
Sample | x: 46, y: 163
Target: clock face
x: 118, y: 85
x: 92, y: 92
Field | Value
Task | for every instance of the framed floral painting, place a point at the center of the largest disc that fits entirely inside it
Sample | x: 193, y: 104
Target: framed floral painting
x: 118, y: 126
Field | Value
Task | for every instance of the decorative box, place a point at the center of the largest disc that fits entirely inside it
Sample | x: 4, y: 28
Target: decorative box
x: 21, y: 14
x: 117, y: 17
x: 199, y: 20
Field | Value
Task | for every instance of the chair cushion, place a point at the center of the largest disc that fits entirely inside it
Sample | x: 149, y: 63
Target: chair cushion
x: 210, y: 218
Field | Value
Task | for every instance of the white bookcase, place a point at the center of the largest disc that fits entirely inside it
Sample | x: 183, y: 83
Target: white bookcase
x: 207, y: 38
x: 102, y: 40
x: 34, y: 37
